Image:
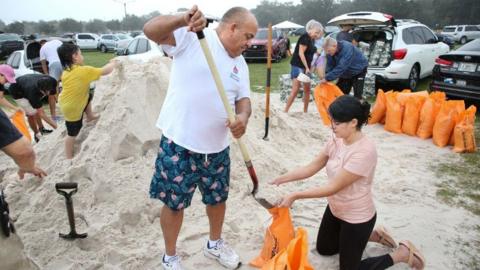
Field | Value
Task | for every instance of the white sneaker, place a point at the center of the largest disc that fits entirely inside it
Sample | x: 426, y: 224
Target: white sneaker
x: 225, y: 255
x: 172, y: 264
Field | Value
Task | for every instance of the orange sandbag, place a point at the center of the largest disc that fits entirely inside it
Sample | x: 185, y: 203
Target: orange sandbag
x: 277, y: 236
x: 404, y: 96
x: 428, y: 114
x: 445, y: 121
x: 413, y: 105
x: 393, y: 120
x: 324, y: 94
x: 464, y: 132
x: 379, y: 108
x: 18, y: 120
x: 294, y: 257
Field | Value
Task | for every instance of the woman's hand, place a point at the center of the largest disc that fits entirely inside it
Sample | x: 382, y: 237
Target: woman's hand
x: 286, y: 201
x: 277, y: 181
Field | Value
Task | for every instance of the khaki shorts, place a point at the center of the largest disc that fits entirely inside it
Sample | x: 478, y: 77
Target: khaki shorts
x: 26, y: 106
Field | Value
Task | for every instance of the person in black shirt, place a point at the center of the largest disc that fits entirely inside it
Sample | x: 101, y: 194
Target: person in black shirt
x: 301, y: 61
x: 28, y: 92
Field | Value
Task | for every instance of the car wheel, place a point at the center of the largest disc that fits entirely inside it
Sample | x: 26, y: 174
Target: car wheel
x: 463, y: 40
x: 413, y: 78
x: 103, y: 48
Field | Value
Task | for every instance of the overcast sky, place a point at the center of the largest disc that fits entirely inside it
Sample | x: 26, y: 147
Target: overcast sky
x: 84, y: 10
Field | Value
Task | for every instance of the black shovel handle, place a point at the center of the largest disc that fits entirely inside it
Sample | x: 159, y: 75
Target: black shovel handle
x: 66, y: 185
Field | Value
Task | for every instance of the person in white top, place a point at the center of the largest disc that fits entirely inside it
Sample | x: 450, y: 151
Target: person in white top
x: 348, y: 222
x: 194, y: 148
x: 48, y: 53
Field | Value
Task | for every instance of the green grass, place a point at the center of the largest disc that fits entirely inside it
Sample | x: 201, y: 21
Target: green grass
x: 463, y: 187
x: 96, y: 58
x: 258, y: 74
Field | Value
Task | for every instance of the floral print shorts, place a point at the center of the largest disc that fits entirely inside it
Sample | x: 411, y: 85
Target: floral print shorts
x: 178, y: 171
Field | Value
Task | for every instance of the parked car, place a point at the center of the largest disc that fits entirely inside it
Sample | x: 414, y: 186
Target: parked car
x: 462, y: 33
x: 258, y: 46
x: 10, y: 43
x: 142, y: 49
x: 27, y: 61
x: 298, y: 32
x: 112, y: 42
x: 457, y: 73
x: 399, y: 53
x: 86, y: 41
x: 331, y: 28
x: 446, y: 39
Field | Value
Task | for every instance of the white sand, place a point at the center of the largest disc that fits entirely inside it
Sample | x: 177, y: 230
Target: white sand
x: 114, y: 162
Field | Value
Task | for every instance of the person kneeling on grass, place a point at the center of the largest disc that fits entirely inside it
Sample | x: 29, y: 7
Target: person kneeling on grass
x: 74, y: 100
x: 349, y: 159
x: 28, y: 92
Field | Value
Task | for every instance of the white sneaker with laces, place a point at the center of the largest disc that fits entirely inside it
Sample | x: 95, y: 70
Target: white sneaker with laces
x: 172, y: 264
x: 224, y: 254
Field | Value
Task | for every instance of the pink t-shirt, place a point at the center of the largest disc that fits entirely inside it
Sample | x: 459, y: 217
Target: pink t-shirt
x: 354, y: 203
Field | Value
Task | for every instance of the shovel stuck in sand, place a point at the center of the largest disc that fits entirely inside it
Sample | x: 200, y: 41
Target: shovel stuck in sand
x: 231, y: 118
x: 61, y: 189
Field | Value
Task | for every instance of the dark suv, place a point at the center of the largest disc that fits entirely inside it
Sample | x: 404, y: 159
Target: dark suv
x: 10, y: 43
x: 258, y: 46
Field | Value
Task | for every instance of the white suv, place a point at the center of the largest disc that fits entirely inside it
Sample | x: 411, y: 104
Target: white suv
x: 86, y: 41
x: 462, y: 33
x: 399, y: 52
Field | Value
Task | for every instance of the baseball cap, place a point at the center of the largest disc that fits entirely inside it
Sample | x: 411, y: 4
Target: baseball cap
x: 8, y: 73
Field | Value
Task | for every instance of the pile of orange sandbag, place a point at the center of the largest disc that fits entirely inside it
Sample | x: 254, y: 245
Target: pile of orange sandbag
x: 427, y: 115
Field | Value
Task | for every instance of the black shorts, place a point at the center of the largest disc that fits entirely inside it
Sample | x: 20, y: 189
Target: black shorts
x: 73, y: 128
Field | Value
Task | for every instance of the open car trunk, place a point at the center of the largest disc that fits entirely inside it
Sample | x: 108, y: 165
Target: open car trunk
x: 32, y: 53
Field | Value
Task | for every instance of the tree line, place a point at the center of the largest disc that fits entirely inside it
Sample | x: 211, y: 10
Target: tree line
x: 434, y: 13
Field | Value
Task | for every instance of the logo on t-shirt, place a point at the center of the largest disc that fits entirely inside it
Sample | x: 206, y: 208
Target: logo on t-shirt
x: 234, y: 74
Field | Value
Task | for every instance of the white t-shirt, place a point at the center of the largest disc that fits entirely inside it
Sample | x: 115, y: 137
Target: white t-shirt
x: 49, y: 51
x: 193, y: 115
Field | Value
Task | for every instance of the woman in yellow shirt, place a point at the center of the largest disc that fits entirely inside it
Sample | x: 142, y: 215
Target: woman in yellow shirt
x: 74, y: 100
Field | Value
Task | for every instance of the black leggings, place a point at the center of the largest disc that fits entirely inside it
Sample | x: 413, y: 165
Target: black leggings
x: 349, y: 240
x: 356, y: 81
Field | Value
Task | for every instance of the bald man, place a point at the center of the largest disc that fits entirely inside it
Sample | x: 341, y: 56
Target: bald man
x: 194, y: 148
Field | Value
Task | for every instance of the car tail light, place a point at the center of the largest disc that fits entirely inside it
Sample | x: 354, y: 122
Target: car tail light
x: 388, y: 16
x: 443, y: 62
x: 399, y: 54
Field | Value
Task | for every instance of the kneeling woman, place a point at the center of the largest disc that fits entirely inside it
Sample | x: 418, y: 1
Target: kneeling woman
x: 347, y: 225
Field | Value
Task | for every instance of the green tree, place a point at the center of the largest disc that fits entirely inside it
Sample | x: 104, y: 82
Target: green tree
x: 95, y: 26
x: 15, y: 27
x: 114, y: 25
x: 2, y: 25
x: 46, y: 27
x: 133, y: 22
x: 70, y: 25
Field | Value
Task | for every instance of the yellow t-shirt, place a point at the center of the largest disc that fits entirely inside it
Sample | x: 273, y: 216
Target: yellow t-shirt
x: 75, y: 88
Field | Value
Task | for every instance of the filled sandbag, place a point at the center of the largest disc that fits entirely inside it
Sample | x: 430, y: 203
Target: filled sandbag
x: 394, y: 114
x: 445, y: 121
x: 428, y: 114
x: 277, y: 236
x: 324, y: 94
x: 411, y: 115
x: 464, y: 132
x: 379, y: 108
x: 294, y: 257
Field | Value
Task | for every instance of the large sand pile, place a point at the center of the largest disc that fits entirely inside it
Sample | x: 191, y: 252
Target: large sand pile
x: 114, y: 162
